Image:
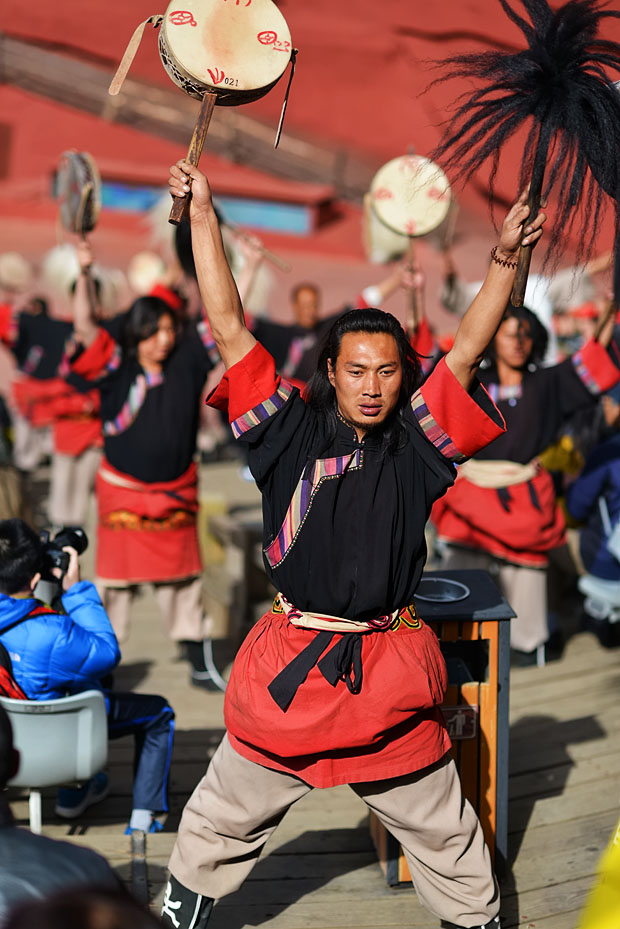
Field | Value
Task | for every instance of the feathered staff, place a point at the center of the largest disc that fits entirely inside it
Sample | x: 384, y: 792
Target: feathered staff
x: 560, y: 86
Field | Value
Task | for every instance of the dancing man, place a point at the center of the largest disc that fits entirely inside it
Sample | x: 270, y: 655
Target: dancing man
x: 341, y: 682
x: 150, y: 383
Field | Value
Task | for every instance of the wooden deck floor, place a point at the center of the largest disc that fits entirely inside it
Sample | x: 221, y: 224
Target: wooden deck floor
x: 320, y: 869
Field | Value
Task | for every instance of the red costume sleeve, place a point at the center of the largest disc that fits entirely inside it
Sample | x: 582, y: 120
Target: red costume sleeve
x: 598, y: 368
x: 456, y: 421
x: 101, y: 357
x: 8, y: 328
x: 74, y: 403
x: 251, y: 391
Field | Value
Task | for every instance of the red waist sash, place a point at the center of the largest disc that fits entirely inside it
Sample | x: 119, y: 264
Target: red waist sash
x: 520, y: 523
x: 146, y: 531
x: 329, y: 734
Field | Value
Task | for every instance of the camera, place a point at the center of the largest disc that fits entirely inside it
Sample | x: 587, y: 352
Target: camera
x: 53, y: 555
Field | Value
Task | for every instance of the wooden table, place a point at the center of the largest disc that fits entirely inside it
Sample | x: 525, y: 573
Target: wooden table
x: 474, y: 633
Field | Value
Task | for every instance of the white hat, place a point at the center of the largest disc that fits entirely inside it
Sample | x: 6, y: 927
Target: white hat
x: 15, y: 272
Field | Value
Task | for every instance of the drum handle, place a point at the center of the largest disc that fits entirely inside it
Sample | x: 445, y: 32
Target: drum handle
x: 533, y: 201
x: 130, y: 53
x: 294, y: 54
x: 415, y: 310
x: 180, y: 204
x: 265, y: 252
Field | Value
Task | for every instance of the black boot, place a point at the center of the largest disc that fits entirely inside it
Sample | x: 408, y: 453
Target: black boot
x: 184, y: 909
x: 494, y: 923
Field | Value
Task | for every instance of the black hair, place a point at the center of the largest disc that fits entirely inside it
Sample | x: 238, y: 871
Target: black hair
x: 41, y: 305
x: 87, y: 907
x: 96, y: 284
x: 304, y: 285
x: 142, y: 321
x: 321, y: 396
x: 538, y: 332
x: 558, y: 92
x: 21, y: 555
x: 7, y: 758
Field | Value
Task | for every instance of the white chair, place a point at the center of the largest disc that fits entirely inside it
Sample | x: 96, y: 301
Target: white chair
x: 59, y: 741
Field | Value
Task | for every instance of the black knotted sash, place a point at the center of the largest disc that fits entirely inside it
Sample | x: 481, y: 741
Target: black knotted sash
x: 343, y: 662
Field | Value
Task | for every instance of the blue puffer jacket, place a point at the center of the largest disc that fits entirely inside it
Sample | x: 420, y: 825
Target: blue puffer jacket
x: 600, y: 477
x: 55, y: 655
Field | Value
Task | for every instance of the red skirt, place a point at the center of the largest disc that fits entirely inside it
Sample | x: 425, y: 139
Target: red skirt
x: 36, y: 400
x: 474, y: 517
x: 146, y: 532
x: 328, y: 735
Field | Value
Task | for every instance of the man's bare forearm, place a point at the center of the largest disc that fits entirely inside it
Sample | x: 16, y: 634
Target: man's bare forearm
x: 85, y: 326
x: 480, y: 323
x: 218, y: 290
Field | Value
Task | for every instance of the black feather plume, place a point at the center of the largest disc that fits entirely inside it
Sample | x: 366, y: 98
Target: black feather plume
x: 560, y: 89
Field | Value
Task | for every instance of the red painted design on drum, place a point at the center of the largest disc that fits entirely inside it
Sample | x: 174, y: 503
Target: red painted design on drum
x: 409, y: 163
x: 282, y: 46
x: 411, y: 226
x: 247, y: 4
x: 217, y: 76
x: 182, y: 18
x: 436, y: 193
x: 383, y: 193
x: 267, y: 38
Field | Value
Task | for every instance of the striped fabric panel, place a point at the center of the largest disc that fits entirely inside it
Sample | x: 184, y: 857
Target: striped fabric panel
x: 133, y: 404
x: 584, y: 374
x: 206, y: 337
x: 33, y: 358
x: 323, y: 469
x: 262, y: 411
x: 114, y: 360
x: 108, y: 366
x: 433, y: 431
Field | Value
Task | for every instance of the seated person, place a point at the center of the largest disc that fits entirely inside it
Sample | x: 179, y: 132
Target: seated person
x: 33, y: 866
x: 594, y: 500
x: 54, y: 654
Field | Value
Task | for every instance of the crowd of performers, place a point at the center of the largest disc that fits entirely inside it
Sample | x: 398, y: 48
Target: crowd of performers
x: 124, y: 412
x: 320, y: 692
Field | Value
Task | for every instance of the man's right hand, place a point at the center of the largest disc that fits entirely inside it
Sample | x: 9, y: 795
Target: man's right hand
x: 72, y: 574
x: 84, y: 254
x: 180, y: 174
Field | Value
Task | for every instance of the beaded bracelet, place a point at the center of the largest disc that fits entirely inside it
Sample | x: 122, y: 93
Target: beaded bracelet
x: 504, y: 262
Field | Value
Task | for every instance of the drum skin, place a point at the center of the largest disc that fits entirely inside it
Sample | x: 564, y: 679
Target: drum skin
x: 236, y: 48
x: 79, y: 192
x: 411, y: 195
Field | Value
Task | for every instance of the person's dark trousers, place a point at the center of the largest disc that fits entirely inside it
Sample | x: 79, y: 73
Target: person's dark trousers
x: 150, y: 719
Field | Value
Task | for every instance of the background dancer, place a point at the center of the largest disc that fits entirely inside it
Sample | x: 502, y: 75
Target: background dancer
x: 501, y: 515
x: 340, y: 682
x: 147, y: 485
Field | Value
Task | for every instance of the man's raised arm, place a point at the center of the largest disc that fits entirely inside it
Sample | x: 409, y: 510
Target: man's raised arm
x: 482, y: 319
x: 217, y: 285
x: 85, y: 326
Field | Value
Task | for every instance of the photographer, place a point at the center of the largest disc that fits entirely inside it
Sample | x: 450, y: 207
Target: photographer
x: 58, y: 653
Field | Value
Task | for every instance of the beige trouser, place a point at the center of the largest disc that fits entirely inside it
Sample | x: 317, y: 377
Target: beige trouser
x: 30, y: 443
x: 238, y: 804
x: 71, y: 482
x: 524, y: 588
x: 179, y: 601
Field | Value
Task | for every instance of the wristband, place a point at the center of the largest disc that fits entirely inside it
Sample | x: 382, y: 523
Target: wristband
x: 504, y: 262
